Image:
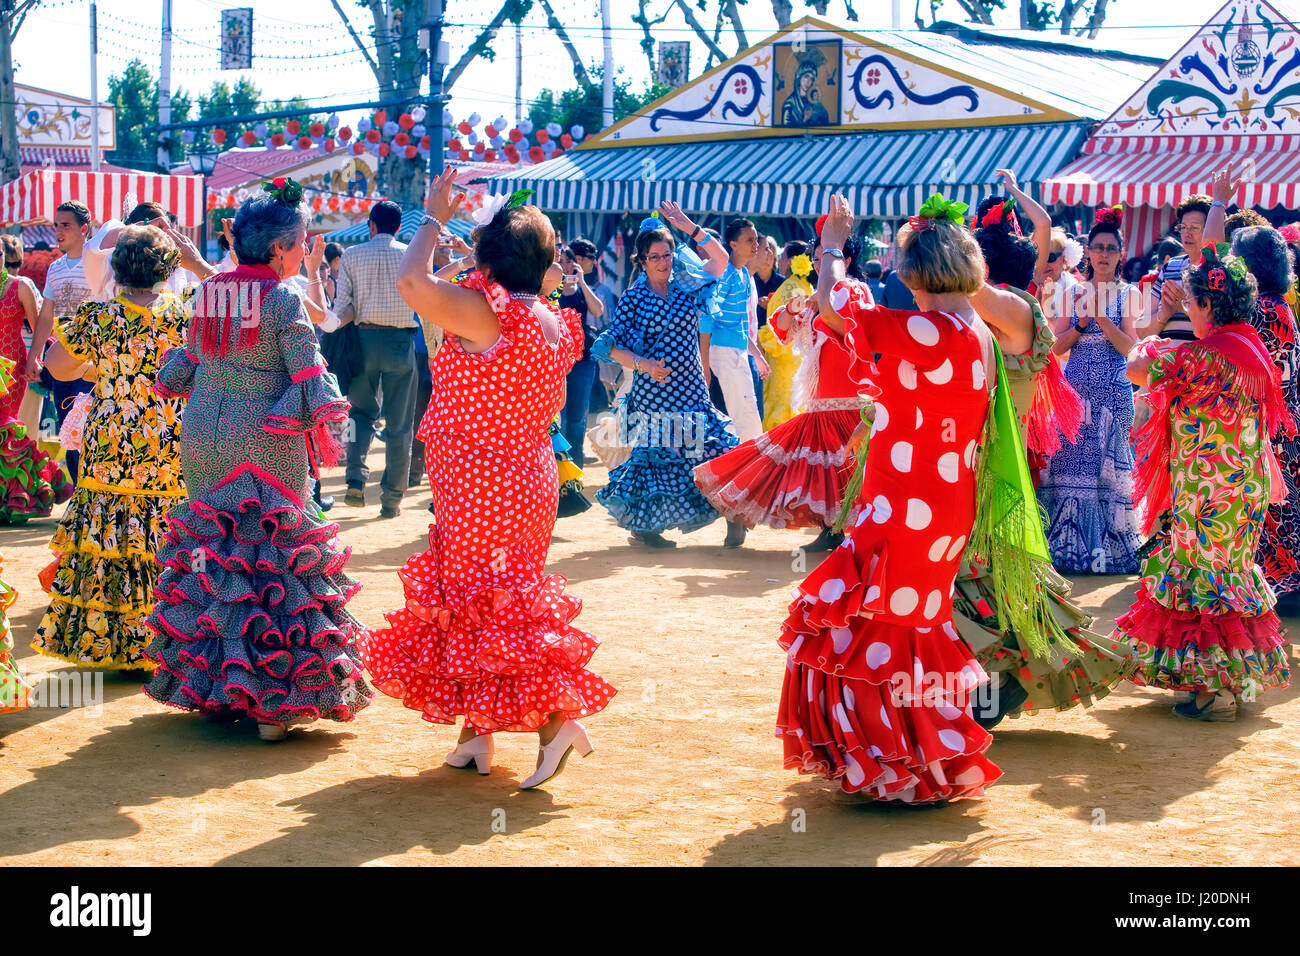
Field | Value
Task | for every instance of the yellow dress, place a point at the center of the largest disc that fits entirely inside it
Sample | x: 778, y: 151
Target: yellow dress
x: 15, y: 691
x: 103, y: 583
x: 779, y: 387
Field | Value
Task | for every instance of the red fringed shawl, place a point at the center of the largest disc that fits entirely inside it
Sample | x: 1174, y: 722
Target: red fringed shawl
x: 1240, y: 348
x: 1056, y: 410
x: 227, y: 309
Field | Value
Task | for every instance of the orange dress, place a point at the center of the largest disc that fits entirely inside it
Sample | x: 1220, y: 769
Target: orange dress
x: 485, y: 632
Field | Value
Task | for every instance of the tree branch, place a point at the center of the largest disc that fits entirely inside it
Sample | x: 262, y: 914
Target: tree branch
x: 733, y: 15
x: 694, y: 24
x: 552, y: 21
x: 383, y: 46
x: 1098, y: 17
x: 360, y: 46
x: 486, y: 36
x: 647, y: 39
x: 783, y: 10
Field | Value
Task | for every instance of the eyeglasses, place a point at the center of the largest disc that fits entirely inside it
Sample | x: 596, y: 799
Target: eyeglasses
x: 1188, y: 229
x: 1107, y: 249
x: 659, y: 258
x: 1052, y: 257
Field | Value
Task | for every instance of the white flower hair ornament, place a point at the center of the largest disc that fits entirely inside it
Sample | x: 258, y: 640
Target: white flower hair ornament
x: 1072, y: 253
x: 493, y: 205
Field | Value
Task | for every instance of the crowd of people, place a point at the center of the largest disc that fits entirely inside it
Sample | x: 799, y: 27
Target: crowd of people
x: 999, y: 407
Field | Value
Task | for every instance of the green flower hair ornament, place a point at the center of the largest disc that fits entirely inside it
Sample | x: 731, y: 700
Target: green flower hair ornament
x: 172, y: 261
x: 937, y: 208
x: 518, y: 198
x: 284, y: 190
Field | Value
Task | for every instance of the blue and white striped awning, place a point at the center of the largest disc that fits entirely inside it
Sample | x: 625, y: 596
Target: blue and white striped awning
x: 884, y: 175
x: 351, y: 235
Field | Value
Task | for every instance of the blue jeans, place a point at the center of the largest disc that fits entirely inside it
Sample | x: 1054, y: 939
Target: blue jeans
x: 388, y: 357
x: 758, y: 385
x: 577, y: 400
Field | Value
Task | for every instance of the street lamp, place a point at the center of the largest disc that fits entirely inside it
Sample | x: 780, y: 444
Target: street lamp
x: 203, y: 162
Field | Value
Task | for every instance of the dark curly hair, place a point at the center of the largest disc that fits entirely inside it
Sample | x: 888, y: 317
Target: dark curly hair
x: 1234, y: 298
x: 1197, y: 202
x: 143, y: 257
x: 988, y: 203
x: 517, y: 246
x: 853, y: 264
x: 1267, y: 256
x: 1010, y: 258
x: 1107, y: 227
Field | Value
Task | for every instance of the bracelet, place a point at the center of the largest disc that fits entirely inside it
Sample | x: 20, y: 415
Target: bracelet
x: 698, y: 230
x: 834, y: 253
x: 431, y: 221
x: 1218, y: 202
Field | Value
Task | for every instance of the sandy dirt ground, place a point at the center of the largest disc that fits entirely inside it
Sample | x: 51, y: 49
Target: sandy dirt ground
x: 686, y: 769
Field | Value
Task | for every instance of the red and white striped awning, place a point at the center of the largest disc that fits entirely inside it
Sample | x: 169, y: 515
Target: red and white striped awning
x: 34, y: 196
x: 1160, y: 171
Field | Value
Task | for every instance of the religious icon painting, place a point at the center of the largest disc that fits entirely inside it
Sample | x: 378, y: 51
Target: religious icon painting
x: 806, y: 83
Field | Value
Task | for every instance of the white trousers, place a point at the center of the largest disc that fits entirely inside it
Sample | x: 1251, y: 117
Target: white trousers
x: 731, y: 366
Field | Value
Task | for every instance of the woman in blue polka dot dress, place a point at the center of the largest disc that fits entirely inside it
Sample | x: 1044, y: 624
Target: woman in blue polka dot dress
x: 668, y: 416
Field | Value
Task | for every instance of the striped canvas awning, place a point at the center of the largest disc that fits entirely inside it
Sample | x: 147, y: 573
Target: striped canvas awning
x: 884, y: 175
x: 1160, y: 171
x: 34, y: 196
x: 351, y: 235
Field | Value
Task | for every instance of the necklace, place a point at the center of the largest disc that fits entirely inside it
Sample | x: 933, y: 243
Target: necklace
x: 523, y: 296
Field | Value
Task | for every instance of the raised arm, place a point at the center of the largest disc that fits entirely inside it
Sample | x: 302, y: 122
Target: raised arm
x: 715, y: 256
x: 835, y: 232
x: 462, y: 312
x: 1223, y: 188
x: 1036, y: 214
x: 1010, y: 317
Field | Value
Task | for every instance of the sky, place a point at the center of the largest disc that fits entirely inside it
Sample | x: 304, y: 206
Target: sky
x: 302, y: 48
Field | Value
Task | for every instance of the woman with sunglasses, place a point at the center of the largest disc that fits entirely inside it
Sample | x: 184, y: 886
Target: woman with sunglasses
x: 1087, y: 487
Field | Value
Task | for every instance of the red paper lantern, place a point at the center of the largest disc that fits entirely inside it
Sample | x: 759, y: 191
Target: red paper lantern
x: 304, y: 142
x: 406, y: 121
x: 490, y: 131
x: 345, y: 133
x: 317, y: 130
x: 249, y: 137
x: 566, y: 141
x: 384, y: 150
x: 453, y: 144
x: 349, y: 204
x: 230, y: 200
x: 364, y: 204
x: 334, y: 203
x: 218, y: 136
x: 535, y: 154
x: 512, y: 152
x: 277, y: 140
x: 381, y: 117
x: 212, y: 200
x: 479, y: 148
x: 410, y: 152
x: 372, y: 136
x: 464, y: 156
x: 490, y: 155
x: 557, y: 151
x: 292, y: 127
x: 424, y: 142
x: 316, y: 204
x: 330, y: 145
x: 401, y: 139
x: 358, y: 149
x: 516, y: 135
x: 543, y: 136
x: 464, y: 127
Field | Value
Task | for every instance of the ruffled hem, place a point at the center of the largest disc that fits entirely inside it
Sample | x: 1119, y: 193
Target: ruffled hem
x: 250, y: 614
x: 792, y: 477
x: 1175, y: 585
x: 654, y: 491
x: 1062, y: 681
x: 505, y: 659
x: 109, y: 526
x: 31, y: 483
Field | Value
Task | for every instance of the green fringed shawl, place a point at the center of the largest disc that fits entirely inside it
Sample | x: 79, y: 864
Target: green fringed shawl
x: 1008, y: 535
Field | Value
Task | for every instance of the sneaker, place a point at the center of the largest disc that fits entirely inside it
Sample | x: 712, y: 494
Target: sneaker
x: 389, y: 511
x: 355, y: 498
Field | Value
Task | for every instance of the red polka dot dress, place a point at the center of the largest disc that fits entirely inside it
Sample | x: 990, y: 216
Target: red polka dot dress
x: 877, y: 683
x: 485, y: 633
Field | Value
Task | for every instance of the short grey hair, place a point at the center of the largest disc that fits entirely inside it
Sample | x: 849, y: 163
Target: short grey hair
x: 263, y: 222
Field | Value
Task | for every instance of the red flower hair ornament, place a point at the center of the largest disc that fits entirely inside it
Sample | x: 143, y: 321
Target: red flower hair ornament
x: 1110, y: 216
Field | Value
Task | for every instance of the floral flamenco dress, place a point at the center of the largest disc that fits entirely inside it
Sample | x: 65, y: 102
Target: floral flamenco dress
x: 484, y: 632
x: 251, y: 613
x: 877, y: 682
x: 795, y: 475
x: 102, y: 584
x: 1203, y: 619
x: 15, y: 691
x: 31, y: 482
x: 672, y: 425
x: 1044, y: 643
x: 1279, y: 539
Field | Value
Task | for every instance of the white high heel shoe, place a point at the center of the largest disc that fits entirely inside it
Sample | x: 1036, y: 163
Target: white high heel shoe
x: 551, y: 758
x: 479, y: 750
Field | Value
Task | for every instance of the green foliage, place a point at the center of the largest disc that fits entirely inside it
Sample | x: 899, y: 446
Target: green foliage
x: 583, y: 105
x: 134, y: 95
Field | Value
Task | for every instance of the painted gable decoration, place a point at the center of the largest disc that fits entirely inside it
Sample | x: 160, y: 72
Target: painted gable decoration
x: 814, y: 78
x: 1240, y: 74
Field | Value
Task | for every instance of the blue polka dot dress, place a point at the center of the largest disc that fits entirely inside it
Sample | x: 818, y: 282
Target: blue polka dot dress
x: 672, y: 425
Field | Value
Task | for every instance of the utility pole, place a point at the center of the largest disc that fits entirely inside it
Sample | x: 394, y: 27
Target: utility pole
x: 10, y: 160
x: 94, y: 88
x: 607, y: 101
x: 519, y: 71
x: 437, y: 151
x: 165, y: 88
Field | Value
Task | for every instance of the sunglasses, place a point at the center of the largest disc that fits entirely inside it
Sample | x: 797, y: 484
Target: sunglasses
x: 1052, y: 257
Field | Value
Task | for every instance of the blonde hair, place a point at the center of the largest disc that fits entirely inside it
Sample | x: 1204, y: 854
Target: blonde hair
x: 944, y: 258
x: 1058, y: 239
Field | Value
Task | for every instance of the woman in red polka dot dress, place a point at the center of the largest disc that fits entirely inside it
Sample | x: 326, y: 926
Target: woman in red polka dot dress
x: 484, y: 632
x: 877, y: 682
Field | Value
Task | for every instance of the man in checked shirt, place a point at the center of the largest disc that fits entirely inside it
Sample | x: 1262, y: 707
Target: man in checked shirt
x: 367, y: 295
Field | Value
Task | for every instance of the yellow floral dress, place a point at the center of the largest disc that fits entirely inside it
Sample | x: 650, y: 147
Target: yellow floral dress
x: 778, y: 390
x: 103, y: 582
x: 15, y: 691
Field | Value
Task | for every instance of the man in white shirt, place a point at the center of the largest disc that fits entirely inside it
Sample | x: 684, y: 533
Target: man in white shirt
x: 97, y: 254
